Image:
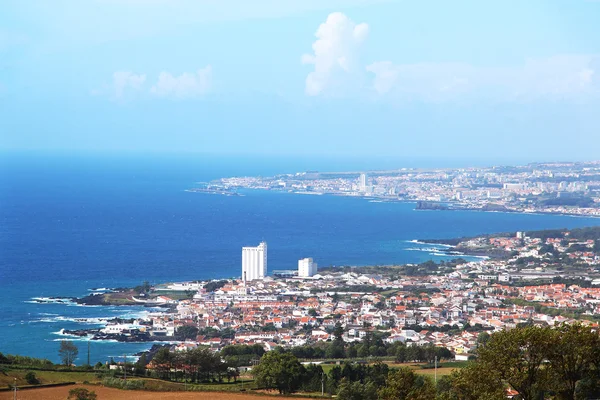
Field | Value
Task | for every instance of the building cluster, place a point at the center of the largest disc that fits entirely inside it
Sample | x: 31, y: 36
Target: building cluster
x: 446, y: 308
x: 562, y: 188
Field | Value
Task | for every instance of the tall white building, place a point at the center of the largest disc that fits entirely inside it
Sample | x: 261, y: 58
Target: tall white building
x: 307, y: 267
x: 254, y: 262
x: 362, y: 183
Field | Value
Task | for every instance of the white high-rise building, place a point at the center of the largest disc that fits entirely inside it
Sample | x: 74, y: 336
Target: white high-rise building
x: 254, y: 262
x: 307, y: 268
x: 362, y: 183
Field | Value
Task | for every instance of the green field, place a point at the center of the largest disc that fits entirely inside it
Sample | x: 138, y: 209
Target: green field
x: 7, y: 377
x: 445, y: 368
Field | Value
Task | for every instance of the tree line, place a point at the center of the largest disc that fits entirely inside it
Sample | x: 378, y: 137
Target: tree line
x: 283, y: 372
x: 371, y: 345
x: 561, y: 363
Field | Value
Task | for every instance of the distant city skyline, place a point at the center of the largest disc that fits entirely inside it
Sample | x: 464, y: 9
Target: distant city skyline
x: 356, y: 78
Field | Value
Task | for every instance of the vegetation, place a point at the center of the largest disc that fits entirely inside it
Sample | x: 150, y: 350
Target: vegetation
x: 535, y: 362
x: 239, y: 355
x: 126, y: 384
x: 226, y: 333
x: 589, y: 233
x: 81, y: 394
x: 197, y: 365
x: 215, y: 285
x: 31, y: 378
x: 68, y: 352
x: 144, y: 288
x: 372, y: 345
x: 186, y: 332
x: 281, y: 371
x: 25, y: 361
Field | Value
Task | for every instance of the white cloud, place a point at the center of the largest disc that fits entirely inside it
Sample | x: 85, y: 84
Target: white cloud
x: 563, y: 76
x: 124, y: 80
x: 185, y: 85
x: 335, y: 51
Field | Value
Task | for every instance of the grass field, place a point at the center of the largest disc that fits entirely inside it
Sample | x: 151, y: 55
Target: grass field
x: 61, y: 393
x: 7, y: 378
x: 443, y: 368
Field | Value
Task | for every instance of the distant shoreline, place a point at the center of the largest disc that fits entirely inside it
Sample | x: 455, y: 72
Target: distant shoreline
x: 376, y: 199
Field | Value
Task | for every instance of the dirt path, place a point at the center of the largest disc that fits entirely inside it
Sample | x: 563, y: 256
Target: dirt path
x: 61, y: 393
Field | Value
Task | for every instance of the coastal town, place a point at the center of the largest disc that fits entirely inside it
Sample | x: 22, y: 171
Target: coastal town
x: 529, y: 278
x: 559, y: 188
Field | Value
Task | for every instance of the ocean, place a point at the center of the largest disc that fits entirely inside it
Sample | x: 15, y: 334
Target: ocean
x: 72, y: 223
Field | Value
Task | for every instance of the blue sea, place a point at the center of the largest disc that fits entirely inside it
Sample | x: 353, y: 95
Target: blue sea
x: 71, y: 223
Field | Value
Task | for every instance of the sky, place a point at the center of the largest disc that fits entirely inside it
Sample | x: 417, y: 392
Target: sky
x: 497, y: 80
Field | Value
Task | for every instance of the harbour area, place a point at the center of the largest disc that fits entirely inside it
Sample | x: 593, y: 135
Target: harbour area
x: 568, y: 188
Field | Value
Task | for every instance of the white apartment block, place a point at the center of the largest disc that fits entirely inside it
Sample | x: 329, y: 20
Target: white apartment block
x: 254, y: 262
x: 307, y: 268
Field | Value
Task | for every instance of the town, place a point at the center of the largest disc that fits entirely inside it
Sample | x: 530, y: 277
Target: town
x: 531, y: 278
x: 557, y: 188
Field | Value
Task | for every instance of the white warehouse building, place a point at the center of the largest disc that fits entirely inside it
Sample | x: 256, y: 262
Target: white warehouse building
x: 307, y: 268
x: 254, y: 262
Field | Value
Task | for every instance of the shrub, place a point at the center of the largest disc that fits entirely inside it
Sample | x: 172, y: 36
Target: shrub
x: 81, y: 394
x: 31, y: 378
x: 132, y: 384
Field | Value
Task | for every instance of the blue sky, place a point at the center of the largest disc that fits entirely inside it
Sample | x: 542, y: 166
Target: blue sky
x: 506, y: 80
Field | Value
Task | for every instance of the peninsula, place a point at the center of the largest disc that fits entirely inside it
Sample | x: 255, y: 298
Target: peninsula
x: 568, y: 188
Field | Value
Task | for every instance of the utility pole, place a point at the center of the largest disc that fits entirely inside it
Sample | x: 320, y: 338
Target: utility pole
x: 322, y: 384
x: 15, y: 393
x: 435, y: 369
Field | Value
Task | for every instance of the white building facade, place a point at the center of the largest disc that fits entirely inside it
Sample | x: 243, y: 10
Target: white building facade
x: 307, y: 268
x: 254, y: 262
x: 362, y: 182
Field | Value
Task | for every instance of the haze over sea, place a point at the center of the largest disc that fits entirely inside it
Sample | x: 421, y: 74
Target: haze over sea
x: 72, y: 223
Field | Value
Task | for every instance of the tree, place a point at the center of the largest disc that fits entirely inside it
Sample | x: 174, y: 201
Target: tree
x: 482, y: 339
x: 163, y: 361
x: 356, y: 391
x: 81, y: 394
x: 571, y: 357
x: 404, y: 384
x: 187, y: 332
x: 280, y: 371
x: 518, y: 356
x: 68, y: 352
x: 31, y: 378
x: 476, y: 383
x: 140, y: 365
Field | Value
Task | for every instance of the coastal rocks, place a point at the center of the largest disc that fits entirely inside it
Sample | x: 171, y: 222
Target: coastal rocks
x: 80, y: 332
x: 426, y: 205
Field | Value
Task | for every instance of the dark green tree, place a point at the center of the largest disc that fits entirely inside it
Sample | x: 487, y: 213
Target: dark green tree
x: 518, y: 357
x: 474, y: 383
x: 187, y: 332
x: 571, y: 357
x: 404, y: 384
x: 356, y: 390
x: 31, y: 378
x: 140, y: 365
x: 280, y: 371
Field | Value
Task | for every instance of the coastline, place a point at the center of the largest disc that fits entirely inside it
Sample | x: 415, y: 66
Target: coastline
x: 382, y: 199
